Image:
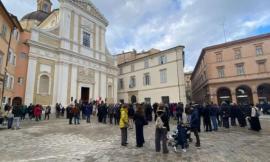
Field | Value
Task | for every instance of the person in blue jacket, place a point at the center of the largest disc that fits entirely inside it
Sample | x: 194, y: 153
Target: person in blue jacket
x: 88, y: 111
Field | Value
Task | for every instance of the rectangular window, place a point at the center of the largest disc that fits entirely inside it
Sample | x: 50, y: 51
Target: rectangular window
x: 259, y: 50
x: 4, y: 100
x: 121, y: 84
x: 14, y: 60
x: 146, y: 63
x: 261, y: 66
x: 20, y: 80
x: 237, y: 54
x: 240, y: 70
x: 162, y: 60
x: 132, y: 82
x: 11, y: 81
x: 146, y: 79
x: 6, y: 79
x: 219, y: 57
x: 86, y: 39
x: 4, y: 31
x: 221, y: 73
x: 163, y: 76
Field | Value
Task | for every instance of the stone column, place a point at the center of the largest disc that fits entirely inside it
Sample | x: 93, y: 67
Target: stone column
x: 31, y: 80
x: 255, y: 97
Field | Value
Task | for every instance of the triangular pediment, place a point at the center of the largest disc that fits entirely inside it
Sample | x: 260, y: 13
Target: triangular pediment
x: 89, y: 7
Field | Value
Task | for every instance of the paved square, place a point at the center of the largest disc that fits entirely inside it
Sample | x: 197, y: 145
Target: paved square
x: 55, y: 140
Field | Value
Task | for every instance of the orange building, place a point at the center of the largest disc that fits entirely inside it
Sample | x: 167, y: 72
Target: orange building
x: 237, y: 71
x: 9, y: 42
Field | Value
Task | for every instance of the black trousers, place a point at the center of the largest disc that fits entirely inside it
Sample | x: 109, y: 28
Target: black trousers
x: 123, y: 136
x: 139, y: 135
x: 70, y: 119
x: 196, y: 134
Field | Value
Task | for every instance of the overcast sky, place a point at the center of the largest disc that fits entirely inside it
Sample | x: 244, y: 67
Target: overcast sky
x: 162, y: 24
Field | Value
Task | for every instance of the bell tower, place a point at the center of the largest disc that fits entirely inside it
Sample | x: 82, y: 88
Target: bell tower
x: 44, y: 5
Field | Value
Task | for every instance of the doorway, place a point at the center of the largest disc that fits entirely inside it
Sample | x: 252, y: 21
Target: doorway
x: 85, y: 94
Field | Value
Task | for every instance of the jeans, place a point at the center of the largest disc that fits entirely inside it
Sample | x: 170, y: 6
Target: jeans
x: 10, y: 122
x: 214, y: 122
x: 76, y: 119
x: 161, y: 135
x: 88, y: 119
x: 17, y: 121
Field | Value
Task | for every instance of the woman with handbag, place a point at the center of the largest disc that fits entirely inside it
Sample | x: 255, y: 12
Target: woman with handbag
x: 140, y: 121
x: 124, y: 124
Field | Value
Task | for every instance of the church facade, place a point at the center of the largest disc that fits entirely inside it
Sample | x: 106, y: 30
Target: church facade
x: 68, y: 58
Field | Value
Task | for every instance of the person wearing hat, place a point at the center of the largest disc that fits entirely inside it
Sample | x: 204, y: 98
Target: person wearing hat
x: 162, y: 128
x: 124, y: 124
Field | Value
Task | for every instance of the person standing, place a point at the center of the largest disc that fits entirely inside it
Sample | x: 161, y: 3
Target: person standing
x: 140, y: 121
x: 213, y: 116
x: 254, y: 118
x: 162, y: 128
x: 17, y: 116
x: 76, y: 114
x: 110, y: 113
x: 123, y: 124
x: 195, y: 124
x: 70, y: 113
x: 206, y: 118
x: 10, y: 117
x: 88, y: 112
x: 131, y: 113
x: 155, y: 106
x: 225, y: 114
x: 233, y: 114
x: 188, y: 112
x: 47, y: 112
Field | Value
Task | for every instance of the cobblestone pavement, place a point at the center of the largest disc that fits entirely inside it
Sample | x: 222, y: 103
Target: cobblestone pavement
x: 56, y: 141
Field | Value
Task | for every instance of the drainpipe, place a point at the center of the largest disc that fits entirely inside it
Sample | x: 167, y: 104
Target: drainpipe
x: 5, y: 73
x: 178, y: 75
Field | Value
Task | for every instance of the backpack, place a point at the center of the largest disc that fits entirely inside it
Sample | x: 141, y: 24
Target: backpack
x: 159, y: 122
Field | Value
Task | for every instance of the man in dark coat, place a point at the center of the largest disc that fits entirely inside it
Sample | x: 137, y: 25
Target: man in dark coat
x: 155, y: 106
x: 195, y: 123
x: 225, y: 114
x: 233, y: 114
x: 148, y: 112
x: 206, y: 118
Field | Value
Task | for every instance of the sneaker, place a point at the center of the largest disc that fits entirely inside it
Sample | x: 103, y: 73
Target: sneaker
x: 184, y: 150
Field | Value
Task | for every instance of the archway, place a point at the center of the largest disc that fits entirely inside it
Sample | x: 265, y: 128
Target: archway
x: 263, y: 92
x: 17, y: 101
x: 224, y: 95
x: 244, y: 95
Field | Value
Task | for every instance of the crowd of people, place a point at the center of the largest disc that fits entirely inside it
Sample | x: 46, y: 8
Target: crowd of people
x: 129, y: 115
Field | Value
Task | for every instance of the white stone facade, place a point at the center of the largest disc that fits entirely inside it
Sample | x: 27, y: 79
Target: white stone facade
x: 57, y: 50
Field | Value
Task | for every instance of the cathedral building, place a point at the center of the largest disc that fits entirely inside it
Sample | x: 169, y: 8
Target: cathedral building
x: 68, y: 58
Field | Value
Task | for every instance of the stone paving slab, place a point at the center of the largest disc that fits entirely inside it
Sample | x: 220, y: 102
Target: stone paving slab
x: 56, y: 141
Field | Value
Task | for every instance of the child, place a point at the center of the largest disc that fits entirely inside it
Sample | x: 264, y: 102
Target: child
x: 181, y: 137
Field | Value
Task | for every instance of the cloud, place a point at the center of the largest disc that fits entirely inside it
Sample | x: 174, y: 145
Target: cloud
x: 162, y: 24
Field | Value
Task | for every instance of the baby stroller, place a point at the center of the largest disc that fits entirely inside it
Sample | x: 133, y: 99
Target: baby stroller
x: 180, y: 136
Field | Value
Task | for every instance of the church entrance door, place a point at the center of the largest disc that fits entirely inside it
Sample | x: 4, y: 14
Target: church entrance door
x: 85, y: 94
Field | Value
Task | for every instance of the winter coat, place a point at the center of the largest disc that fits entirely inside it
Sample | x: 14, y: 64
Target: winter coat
x: 213, y: 110
x: 195, y: 120
x: 17, y: 111
x: 37, y: 111
x: 88, y: 110
x: 123, y: 118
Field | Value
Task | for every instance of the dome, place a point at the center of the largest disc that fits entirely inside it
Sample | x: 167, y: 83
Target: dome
x: 36, y: 15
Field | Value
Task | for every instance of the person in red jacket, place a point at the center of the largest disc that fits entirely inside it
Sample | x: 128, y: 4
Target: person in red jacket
x: 37, y: 112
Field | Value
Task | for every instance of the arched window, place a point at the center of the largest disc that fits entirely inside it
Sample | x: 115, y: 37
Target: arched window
x: 44, y: 84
